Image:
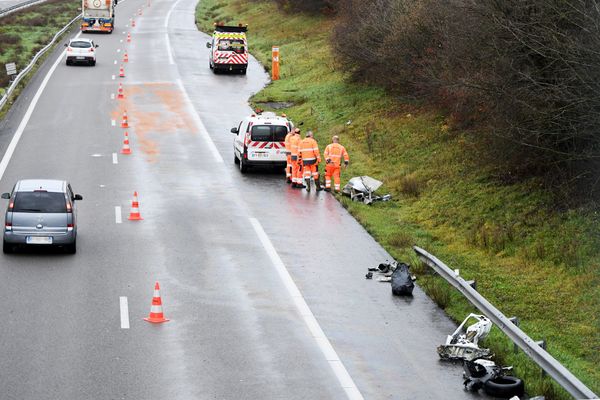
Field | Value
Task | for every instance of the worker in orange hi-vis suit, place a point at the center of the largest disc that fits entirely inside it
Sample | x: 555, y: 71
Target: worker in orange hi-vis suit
x: 294, y: 158
x: 288, y: 154
x: 334, y: 153
x: 311, y: 157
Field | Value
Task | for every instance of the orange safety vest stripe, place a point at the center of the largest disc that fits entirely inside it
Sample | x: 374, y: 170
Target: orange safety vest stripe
x: 288, y: 145
x: 335, y: 152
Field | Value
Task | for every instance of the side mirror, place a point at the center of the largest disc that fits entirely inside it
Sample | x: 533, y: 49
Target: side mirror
x: 97, y: 45
x: 78, y: 197
x: 6, y: 196
x: 235, y: 130
x: 66, y: 45
x: 208, y: 45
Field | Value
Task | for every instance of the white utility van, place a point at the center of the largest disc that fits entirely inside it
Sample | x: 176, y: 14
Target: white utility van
x: 260, y: 141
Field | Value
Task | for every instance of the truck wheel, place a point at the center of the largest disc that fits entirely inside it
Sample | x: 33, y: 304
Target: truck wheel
x: 243, y: 166
x: 504, y: 387
x: 243, y: 71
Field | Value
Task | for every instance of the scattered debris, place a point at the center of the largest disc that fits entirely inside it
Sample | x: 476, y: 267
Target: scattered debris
x: 362, y: 188
x: 385, y: 279
x: 481, y: 373
x: 463, y: 345
x: 369, y: 275
x: 402, y: 282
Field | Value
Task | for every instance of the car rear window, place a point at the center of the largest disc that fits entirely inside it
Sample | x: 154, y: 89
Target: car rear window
x: 81, y: 45
x: 268, y: 133
x: 40, y: 202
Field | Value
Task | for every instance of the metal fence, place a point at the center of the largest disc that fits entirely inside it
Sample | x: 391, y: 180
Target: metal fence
x: 532, y: 348
x: 29, y: 67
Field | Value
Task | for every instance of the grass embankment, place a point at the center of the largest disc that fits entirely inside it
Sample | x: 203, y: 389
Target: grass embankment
x: 529, y: 259
x: 23, y: 33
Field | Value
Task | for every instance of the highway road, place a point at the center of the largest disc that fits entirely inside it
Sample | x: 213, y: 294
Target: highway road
x: 264, y: 285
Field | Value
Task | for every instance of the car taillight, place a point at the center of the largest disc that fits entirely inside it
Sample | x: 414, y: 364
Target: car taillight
x: 8, y: 226
x: 91, y: 50
x: 69, y: 49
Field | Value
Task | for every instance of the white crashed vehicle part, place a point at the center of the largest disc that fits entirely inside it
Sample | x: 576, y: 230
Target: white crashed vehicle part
x: 464, y: 345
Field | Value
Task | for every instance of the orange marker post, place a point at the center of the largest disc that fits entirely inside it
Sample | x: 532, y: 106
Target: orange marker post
x: 275, y: 68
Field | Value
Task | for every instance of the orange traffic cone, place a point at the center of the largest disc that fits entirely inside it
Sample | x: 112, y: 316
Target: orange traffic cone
x: 134, y: 214
x: 125, y: 122
x: 120, y: 91
x: 128, y: 37
x: 126, y: 149
x: 156, y: 312
x: 121, y: 72
x: 133, y: 23
x: 125, y: 57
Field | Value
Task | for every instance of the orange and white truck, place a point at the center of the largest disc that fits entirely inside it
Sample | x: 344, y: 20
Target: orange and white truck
x: 98, y: 16
x: 228, y: 49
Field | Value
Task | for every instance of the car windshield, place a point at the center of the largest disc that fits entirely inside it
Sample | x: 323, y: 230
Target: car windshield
x: 81, y: 45
x: 40, y: 202
x: 236, y: 45
x: 268, y: 133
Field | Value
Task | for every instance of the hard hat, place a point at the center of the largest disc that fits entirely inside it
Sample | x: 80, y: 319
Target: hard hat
x: 297, y: 130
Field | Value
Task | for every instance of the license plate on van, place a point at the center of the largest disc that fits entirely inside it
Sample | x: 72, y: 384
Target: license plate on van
x: 39, y: 240
x: 260, y: 155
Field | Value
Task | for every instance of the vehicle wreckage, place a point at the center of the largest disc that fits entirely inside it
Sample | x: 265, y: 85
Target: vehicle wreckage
x: 362, y: 188
x: 464, y: 344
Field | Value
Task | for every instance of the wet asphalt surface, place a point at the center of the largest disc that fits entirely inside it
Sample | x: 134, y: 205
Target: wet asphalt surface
x: 234, y: 331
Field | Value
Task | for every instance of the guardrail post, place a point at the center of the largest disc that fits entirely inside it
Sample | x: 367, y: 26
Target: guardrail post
x: 516, y: 322
x: 473, y: 284
x: 542, y: 344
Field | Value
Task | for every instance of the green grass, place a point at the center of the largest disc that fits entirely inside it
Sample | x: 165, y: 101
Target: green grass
x: 529, y: 259
x: 25, y: 32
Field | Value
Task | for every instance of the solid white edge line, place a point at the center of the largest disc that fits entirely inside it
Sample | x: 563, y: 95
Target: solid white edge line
x: 115, y: 159
x: 118, y: 218
x: 168, y: 41
x: 311, y: 322
x: 19, y: 132
x: 124, y: 312
x: 203, y: 131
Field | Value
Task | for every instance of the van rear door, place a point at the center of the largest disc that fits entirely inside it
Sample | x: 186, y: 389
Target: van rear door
x: 267, y: 143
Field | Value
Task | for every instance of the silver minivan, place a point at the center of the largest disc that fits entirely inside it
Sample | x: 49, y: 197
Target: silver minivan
x: 41, y: 212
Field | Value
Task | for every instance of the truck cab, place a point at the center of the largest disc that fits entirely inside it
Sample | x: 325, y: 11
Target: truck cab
x: 228, y: 49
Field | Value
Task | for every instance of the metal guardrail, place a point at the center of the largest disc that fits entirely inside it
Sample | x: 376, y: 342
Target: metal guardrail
x: 540, y: 356
x: 28, y: 68
x: 16, y: 7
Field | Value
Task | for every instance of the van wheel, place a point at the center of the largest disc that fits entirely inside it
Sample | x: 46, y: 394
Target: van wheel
x: 235, y: 159
x: 243, y: 71
x: 7, y: 248
x: 243, y: 166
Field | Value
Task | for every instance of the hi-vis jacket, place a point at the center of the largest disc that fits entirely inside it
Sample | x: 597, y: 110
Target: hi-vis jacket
x: 334, y: 153
x: 309, y: 151
x: 295, y: 146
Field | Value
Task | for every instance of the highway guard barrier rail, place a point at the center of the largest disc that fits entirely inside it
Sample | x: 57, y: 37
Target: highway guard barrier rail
x: 8, y: 10
x: 531, y: 348
x: 28, y: 68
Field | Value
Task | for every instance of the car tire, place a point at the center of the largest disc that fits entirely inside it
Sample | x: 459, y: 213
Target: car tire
x: 93, y: 63
x: 7, y: 248
x: 243, y: 166
x: 71, y: 248
x: 504, y: 387
x: 68, y: 62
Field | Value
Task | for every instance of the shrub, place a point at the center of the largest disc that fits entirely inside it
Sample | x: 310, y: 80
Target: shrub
x: 524, y: 75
